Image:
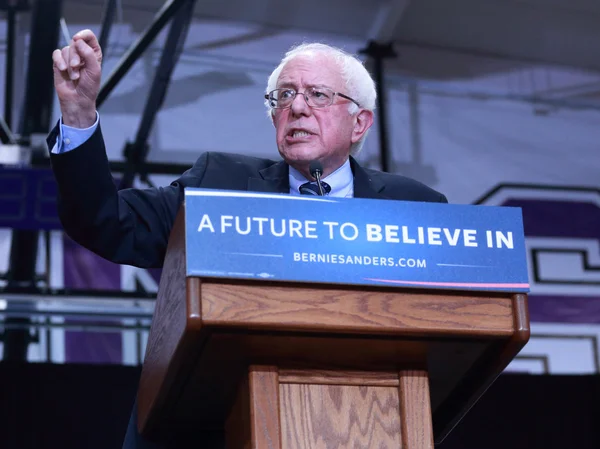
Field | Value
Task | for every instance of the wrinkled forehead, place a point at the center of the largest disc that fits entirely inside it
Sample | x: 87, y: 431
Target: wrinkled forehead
x: 311, y: 70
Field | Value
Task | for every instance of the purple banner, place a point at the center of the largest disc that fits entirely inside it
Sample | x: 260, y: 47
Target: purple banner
x: 85, y: 270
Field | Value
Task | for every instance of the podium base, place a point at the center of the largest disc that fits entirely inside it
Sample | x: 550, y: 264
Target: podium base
x: 280, y: 408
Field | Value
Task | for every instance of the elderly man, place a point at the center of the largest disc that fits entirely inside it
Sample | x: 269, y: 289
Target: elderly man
x: 321, y: 102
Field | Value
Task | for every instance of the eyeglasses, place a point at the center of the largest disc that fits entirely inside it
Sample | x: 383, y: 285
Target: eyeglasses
x: 316, y: 97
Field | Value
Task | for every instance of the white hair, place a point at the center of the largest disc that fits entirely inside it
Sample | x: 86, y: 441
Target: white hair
x: 358, y: 82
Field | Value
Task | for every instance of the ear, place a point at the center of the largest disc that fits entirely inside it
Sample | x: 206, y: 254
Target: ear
x: 272, y: 117
x: 363, y: 121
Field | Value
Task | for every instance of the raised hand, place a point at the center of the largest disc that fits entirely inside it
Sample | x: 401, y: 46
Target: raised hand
x: 77, y: 76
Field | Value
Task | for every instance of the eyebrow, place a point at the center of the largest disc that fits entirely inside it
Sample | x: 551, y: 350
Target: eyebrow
x: 293, y: 85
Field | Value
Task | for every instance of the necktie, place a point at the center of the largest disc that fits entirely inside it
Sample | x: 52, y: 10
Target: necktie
x: 311, y: 188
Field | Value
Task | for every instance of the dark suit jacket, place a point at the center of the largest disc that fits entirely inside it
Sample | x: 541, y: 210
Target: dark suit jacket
x: 132, y: 226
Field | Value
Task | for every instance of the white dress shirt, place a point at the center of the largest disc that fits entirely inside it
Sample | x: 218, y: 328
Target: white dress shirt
x: 341, y: 181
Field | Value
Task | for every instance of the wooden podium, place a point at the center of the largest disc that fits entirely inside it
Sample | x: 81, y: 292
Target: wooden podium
x: 290, y: 366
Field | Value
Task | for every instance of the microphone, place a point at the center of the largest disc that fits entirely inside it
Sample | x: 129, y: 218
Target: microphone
x: 316, y: 170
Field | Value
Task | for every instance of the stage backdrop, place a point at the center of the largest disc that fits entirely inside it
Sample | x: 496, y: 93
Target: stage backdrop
x: 474, y: 137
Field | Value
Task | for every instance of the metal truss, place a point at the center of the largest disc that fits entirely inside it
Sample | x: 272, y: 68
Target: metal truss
x: 35, y: 119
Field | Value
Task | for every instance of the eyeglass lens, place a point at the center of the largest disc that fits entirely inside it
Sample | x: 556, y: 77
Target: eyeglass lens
x: 317, y: 97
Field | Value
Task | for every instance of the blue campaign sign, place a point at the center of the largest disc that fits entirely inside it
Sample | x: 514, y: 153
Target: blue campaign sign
x: 280, y: 237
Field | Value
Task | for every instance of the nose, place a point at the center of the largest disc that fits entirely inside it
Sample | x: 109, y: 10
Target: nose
x: 300, y: 106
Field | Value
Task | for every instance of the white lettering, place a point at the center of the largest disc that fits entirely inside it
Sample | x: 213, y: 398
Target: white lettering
x: 295, y: 228
x: 206, y: 223
x: 433, y: 235
x: 260, y: 221
x: 274, y: 232
x: 330, y: 224
x: 374, y: 233
x: 412, y: 263
x: 224, y: 223
x: 354, y: 236
x: 309, y: 228
x: 506, y: 240
x: 490, y: 242
x: 237, y: 226
x: 452, y: 238
x: 391, y: 234
x: 470, y: 236
x: 421, y: 235
x: 405, y: 237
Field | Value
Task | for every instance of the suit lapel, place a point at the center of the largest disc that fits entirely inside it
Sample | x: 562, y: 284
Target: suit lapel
x: 273, y: 179
x: 366, y: 185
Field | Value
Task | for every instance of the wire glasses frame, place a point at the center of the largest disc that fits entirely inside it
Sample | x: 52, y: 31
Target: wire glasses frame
x: 315, y: 97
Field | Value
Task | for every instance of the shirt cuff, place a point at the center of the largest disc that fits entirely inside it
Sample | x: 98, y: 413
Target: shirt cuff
x: 70, y: 138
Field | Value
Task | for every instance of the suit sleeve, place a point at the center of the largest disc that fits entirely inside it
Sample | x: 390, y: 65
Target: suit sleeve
x: 130, y: 226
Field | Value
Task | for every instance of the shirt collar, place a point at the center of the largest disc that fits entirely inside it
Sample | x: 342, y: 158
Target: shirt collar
x: 341, y: 181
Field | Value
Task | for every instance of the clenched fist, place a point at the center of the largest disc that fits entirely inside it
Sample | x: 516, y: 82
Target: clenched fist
x: 77, y: 75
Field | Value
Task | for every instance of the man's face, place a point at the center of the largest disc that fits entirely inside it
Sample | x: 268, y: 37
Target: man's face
x: 304, y: 133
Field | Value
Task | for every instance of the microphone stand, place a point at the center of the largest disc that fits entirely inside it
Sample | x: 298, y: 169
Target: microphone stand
x: 316, y: 170
x: 317, y: 176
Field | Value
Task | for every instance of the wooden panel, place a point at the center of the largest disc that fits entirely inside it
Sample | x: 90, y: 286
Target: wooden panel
x: 356, y: 310
x: 237, y: 424
x: 483, y: 372
x: 329, y: 416
x: 264, y: 408
x: 415, y: 409
x: 211, y: 388
x: 342, y: 377
x: 173, y: 334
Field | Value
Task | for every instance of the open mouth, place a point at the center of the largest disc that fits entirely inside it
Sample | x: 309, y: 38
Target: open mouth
x: 298, y: 134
